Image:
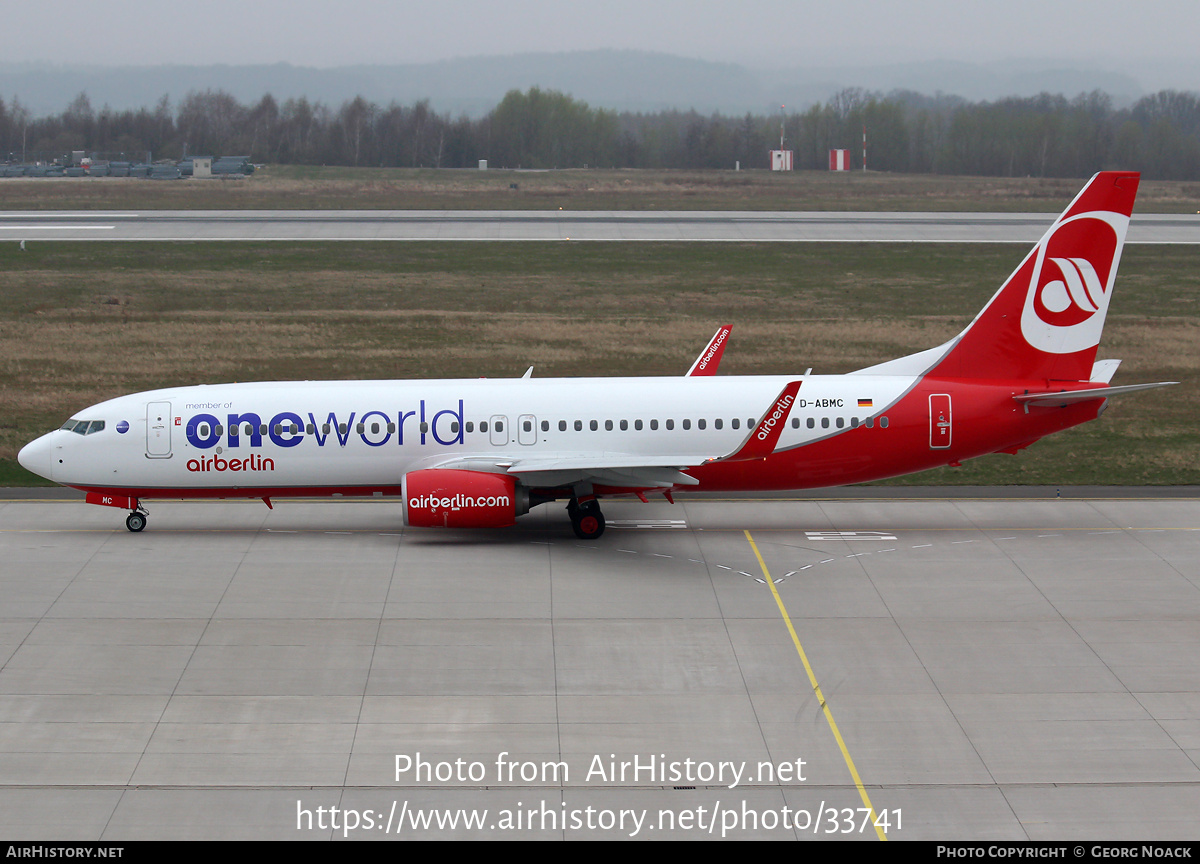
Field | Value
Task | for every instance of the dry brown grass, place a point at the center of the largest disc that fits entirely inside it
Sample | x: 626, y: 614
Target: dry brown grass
x: 303, y: 187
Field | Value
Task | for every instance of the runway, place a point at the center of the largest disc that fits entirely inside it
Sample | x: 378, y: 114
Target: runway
x: 698, y: 226
x: 996, y: 667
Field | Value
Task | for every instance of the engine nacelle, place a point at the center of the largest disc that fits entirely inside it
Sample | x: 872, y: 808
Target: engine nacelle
x: 449, y: 498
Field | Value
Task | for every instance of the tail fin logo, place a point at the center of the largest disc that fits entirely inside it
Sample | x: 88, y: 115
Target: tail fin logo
x: 1073, y: 274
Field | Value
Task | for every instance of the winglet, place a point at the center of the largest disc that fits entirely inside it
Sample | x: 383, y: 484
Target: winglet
x: 760, y: 443
x: 710, y: 357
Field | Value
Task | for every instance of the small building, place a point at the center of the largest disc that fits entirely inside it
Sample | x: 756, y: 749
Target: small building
x: 839, y: 160
x: 781, y: 160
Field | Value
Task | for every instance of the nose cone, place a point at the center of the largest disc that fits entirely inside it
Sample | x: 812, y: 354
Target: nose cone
x: 37, y: 456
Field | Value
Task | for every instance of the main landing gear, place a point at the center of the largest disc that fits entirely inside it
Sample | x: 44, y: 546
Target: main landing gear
x: 586, y: 519
x: 136, y: 520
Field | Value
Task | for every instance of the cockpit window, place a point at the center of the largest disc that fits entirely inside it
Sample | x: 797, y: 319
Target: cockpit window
x: 82, y: 427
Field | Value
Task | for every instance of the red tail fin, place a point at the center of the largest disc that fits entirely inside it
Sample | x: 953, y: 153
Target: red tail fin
x: 1045, y: 322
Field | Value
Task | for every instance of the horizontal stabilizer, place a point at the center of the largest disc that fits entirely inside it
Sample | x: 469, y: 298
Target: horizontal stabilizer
x: 1058, y: 398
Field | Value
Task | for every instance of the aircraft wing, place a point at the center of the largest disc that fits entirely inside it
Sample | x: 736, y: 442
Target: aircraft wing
x: 623, y: 469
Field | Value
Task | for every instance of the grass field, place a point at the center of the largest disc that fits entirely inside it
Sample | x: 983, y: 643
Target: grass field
x: 82, y: 322
x: 300, y: 187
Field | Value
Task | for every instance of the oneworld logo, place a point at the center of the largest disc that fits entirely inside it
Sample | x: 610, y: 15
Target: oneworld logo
x: 420, y: 426
x: 1071, y: 281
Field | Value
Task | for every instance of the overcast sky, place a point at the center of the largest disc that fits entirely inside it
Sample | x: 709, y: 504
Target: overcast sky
x: 763, y: 33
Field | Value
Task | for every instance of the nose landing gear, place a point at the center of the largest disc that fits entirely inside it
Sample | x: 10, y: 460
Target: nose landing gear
x: 136, y: 520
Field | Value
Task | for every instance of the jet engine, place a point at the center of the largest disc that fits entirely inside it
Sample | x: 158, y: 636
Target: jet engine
x: 451, y: 498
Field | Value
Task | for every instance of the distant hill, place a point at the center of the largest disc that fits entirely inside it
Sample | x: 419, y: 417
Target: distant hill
x: 621, y: 80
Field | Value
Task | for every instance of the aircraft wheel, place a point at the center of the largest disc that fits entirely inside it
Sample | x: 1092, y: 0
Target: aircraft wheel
x: 135, y: 522
x: 588, y: 523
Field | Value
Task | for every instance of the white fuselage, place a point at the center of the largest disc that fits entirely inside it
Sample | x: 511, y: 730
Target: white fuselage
x: 369, y: 433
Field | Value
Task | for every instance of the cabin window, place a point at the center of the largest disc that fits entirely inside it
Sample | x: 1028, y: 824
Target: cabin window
x: 654, y: 425
x: 562, y: 425
x: 687, y: 424
x: 470, y: 425
x: 203, y: 430
x: 392, y: 427
x: 624, y: 425
x: 750, y: 423
x: 425, y: 427
x: 324, y: 429
x: 735, y: 423
x: 278, y: 428
x: 883, y: 423
x: 262, y: 430
x: 578, y: 425
x: 374, y: 428
x: 717, y: 423
x: 219, y: 429
x: 593, y: 425
x: 795, y: 422
x: 499, y: 426
x: 234, y: 431
x: 545, y: 425
x: 670, y: 425
x: 360, y: 428
x: 608, y: 427
x: 824, y: 422
x: 341, y: 428
x: 527, y: 426
x: 812, y: 423
x: 870, y: 422
x: 482, y: 425
x: 700, y: 424
x: 637, y: 424
x: 853, y: 422
x: 840, y: 422
x: 310, y: 428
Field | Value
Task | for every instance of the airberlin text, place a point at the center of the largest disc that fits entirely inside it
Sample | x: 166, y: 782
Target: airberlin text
x: 375, y: 428
x: 777, y: 414
x: 216, y: 463
x: 708, y: 355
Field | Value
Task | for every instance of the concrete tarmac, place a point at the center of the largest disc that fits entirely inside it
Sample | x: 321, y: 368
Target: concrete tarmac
x: 998, y: 668
x: 585, y: 225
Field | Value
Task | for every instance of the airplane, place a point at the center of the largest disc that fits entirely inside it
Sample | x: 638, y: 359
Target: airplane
x: 479, y: 453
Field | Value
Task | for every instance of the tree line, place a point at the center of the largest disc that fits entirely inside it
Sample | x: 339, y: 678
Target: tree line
x: 1041, y: 136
